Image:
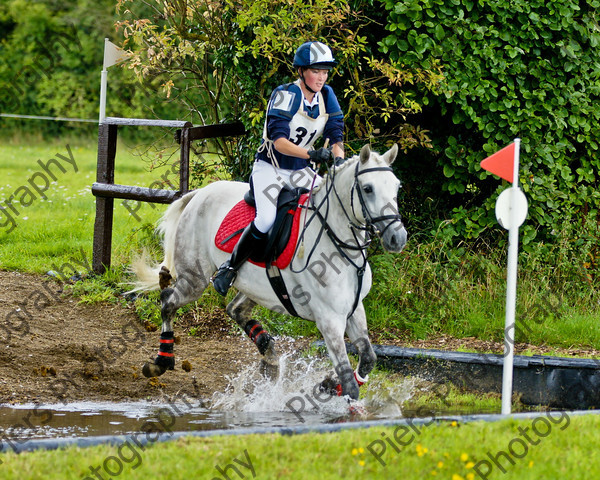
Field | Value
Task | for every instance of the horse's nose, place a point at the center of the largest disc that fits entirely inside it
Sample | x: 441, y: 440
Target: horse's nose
x: 397, y: 239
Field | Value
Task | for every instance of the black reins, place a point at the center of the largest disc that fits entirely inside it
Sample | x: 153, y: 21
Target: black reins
x: 341, y: 246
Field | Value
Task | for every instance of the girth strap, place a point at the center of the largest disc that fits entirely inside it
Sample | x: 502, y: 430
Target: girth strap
x: 278, y: 285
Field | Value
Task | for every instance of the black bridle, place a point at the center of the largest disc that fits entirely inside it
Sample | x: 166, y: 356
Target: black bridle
x: 368, y: 227
x: 370, y: 221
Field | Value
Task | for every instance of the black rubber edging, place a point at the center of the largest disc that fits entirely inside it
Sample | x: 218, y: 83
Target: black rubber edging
x: 143, y: 439
x: 563, y: 383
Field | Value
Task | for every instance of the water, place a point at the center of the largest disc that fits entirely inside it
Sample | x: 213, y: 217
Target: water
x: 250, y: 400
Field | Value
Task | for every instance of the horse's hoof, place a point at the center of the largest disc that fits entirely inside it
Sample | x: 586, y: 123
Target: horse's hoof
x: 269, y: 370
x: 357, y: 410
x: 331, y: 387
x: 351, y: 389
x: 152, y: 370
x: 164, y: 277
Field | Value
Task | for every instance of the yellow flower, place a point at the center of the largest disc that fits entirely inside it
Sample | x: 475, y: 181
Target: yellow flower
x: 434, y: 473
x: 454, y: 423
x: 470, y: 476
x: 457, y: 477
x: 354, y: 451
x: 469, y: 465
x: 361, y: 450
x: 440, y: 464
x: 464, y: 457
x: 530, y: 463
x: 361, y: 463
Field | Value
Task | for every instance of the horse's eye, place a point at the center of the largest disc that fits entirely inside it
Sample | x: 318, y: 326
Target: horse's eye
x: 368, y: 189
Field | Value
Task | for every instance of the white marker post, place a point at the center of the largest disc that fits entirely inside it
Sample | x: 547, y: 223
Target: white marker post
x: 112, y: 56
x: 102, y: 96
x: 511, y: 211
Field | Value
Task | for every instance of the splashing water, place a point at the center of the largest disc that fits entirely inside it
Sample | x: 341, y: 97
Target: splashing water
x: 383, y: 398
x: 250, y: 400
x: 297, y: 390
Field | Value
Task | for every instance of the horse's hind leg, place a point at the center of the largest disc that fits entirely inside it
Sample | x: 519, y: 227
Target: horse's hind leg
x: 189, y: 287
x: 356, y: 328
x: 240, y: 309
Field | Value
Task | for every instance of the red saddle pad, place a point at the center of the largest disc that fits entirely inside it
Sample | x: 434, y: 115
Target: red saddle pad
x: 240, y: 216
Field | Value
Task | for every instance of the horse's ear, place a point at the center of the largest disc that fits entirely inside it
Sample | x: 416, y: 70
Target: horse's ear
x: 391, y: 154
x: 365, y: 153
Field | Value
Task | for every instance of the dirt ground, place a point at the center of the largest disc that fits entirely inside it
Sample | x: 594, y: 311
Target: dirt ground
x: 53, y: 349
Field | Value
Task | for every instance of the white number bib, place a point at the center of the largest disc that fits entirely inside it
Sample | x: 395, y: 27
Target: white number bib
x: 304, y: 130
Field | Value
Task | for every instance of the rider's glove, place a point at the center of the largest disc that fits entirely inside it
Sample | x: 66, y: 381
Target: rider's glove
x: 322, y: 155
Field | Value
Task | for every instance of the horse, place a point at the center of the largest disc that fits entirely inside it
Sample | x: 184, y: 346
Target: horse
x: 354, y: 201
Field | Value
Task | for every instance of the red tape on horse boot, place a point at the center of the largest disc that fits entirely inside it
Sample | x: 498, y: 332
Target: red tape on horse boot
x: 361, y: 381
x: 258, y: 335
x: 329, y: 385
x: 165, y: 357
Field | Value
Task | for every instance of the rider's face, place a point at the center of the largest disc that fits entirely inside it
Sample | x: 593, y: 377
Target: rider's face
x: 315, y: 78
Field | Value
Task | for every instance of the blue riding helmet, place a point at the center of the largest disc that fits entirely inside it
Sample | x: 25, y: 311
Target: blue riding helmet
x: 314, y: 55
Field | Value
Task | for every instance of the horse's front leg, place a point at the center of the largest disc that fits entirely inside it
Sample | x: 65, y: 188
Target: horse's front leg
x: 358, y: 335
x: 332, y: 329
x: 240, y: 309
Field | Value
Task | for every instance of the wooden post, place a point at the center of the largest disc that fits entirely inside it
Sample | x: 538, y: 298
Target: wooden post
x: 184, y: 161
x: 106, y: 191
x: 107, y: 148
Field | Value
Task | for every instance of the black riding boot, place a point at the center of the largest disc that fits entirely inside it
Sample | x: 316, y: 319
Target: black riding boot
x: 252, y: 239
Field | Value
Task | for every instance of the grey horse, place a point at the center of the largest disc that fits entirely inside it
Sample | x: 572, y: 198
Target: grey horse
x: 354, y: 201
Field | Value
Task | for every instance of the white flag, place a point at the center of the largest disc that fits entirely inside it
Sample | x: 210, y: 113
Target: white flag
x: 112, y: 54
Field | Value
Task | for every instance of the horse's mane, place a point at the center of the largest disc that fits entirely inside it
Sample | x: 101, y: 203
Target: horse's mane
x: 335, y: 170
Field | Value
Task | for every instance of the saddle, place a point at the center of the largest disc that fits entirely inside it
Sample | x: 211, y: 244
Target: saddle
x: 283, y: 236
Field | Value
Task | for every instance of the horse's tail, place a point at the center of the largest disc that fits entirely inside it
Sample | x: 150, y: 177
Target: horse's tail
x: 168, y: 228
x: 148, y: 275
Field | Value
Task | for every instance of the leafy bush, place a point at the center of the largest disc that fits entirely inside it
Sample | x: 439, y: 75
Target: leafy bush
x: 517, y: 68
x: 224, y: 58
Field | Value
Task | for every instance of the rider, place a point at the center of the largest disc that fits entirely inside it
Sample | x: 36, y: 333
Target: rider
x: 297, y: 115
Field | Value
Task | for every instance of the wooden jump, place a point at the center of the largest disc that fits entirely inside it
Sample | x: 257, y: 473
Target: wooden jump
x: 105, y: 189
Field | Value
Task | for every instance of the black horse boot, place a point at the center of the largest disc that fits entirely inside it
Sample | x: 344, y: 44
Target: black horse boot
x: 251, y: 238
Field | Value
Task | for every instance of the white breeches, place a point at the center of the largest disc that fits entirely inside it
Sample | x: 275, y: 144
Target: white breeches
x: 268, y: 181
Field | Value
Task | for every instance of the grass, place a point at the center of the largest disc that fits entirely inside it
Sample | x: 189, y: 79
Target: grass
x: 546, y: 447
x: 428, y: 290
x: 423, y: 292
x: 54, y: 228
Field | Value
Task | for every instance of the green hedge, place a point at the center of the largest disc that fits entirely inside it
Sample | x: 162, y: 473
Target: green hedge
x: 518, y: 68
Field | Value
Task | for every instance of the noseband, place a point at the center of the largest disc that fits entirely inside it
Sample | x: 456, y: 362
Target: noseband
x: 370, y: 221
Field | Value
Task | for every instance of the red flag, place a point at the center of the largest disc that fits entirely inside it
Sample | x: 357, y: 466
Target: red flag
x: 501, y: 163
